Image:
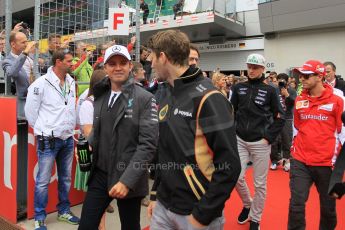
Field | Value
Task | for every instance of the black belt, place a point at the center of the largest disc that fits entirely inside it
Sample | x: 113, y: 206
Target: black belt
x: 45, y: 137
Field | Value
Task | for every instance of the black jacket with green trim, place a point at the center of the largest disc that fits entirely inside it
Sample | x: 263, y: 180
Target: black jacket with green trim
x: 198, y: 162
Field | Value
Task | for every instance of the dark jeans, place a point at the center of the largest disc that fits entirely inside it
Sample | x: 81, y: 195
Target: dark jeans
x: 283, y: 143
x: 301, y: 179
x: 97, y: 200
x: 62, y: 153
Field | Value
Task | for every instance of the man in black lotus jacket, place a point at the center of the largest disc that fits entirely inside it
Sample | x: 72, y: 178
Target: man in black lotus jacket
x: 198, y: 162
x: 124, y: 140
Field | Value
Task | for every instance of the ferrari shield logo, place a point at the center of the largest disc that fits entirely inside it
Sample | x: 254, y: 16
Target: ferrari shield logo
x: 302, y: 104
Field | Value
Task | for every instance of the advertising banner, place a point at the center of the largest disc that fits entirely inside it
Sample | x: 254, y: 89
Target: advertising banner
x: 8, y: 159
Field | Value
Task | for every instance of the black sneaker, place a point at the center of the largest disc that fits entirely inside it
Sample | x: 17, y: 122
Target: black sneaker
x: 254, y: 225
x: 244, y: 216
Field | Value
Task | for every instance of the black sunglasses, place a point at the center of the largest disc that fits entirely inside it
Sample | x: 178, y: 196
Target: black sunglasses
x: 307, y: 76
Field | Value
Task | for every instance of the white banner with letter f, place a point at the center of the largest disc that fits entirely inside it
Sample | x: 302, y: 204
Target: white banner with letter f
x: 118, y: 23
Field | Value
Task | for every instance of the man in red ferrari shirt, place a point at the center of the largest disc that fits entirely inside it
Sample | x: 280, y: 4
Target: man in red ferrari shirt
x: 317, y: 119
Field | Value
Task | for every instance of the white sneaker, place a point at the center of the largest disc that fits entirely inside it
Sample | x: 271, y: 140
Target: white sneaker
x: 273, y: 166
x: 287, y: 166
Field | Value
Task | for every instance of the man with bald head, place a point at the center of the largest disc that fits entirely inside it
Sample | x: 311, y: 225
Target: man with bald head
x: 13, y: 67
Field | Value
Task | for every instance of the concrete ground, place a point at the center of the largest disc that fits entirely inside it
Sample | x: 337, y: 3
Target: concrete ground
x: 112, y: 220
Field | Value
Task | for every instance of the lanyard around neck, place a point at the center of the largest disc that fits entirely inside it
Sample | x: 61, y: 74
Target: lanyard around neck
x: 63, y: 93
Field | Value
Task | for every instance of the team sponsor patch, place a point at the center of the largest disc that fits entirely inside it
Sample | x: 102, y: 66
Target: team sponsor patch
x: 130, y: 103
x: 302, y: 104
x: 327, y: 107
x: 154, y: 110
x: 163, y: 112
x: 200, y: 88
x: 182, y: 113
x: 36, y: 91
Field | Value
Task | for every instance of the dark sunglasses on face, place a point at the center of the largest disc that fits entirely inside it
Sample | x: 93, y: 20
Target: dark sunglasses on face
x: 307, y: 76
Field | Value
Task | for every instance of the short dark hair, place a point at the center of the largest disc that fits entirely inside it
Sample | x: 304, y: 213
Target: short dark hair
x: 273, y: 73
x: 193, y: 47
x: 173, y: 43
x: 136, y: 66
x: 51, y: 36
x: 142, y: 49
x: 331, y: 64
x: 283, y: 76
x: 60, y: 55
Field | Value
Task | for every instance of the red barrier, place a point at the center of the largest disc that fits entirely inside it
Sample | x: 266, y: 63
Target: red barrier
x: 8, y: 159
x: 8, y: 167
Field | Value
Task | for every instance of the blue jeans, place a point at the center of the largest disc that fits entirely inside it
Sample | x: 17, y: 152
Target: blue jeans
x: 63, y: 154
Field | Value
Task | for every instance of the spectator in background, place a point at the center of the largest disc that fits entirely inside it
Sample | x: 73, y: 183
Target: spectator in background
x: 45, y: 59
x: 280, y: 153
x: 138, y: 73
x: 100, y: 53
x: 13, y: 67
x: 145, y: 8
x: 2, y: 47
x: 178, y: 7
x: 293, y: 84
x: 145, y: 61
x: 2, y: 57
x: 331, y: 77
x: 272, y: 78
x: 82, y: 69
x: 159, y: 2
x: 218, y: 80
x: 230, y: 82
x: 194, y: 56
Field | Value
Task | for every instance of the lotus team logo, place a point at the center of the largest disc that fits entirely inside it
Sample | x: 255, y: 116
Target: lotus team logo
x: 163, y: 112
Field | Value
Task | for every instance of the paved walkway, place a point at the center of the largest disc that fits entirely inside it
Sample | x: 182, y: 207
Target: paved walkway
x: 112, y: 220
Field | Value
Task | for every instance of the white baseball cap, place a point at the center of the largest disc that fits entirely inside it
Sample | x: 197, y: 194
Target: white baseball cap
x: 256, y: 59
x: 116, y: 50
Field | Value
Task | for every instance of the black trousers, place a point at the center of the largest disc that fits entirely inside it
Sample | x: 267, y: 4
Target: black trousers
x: 97, y: 200
x: 145, y: 15
x: 283, y: 143
x: 301, y: 179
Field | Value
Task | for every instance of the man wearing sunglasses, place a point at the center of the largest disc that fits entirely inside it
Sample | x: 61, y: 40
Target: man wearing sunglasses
x: 317, y: 119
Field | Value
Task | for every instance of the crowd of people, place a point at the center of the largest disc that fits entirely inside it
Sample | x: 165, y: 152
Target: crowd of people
x: 195, y: 135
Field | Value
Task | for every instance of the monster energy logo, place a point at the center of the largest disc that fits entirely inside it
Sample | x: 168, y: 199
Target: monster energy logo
x: 83, y: 155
